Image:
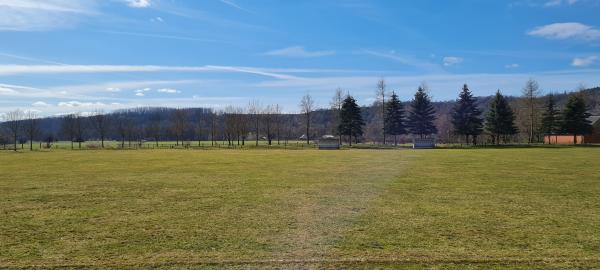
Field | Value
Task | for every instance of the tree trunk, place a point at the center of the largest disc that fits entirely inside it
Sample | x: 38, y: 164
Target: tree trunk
x: 307, y: 128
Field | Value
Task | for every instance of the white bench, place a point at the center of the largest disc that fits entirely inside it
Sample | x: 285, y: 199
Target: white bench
x: 423, y: 143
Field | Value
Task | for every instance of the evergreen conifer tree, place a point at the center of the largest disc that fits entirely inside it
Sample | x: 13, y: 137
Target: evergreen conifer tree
x: 466, y: 117
x: 500, y: 119
x: 351, y: 120
x: 394, y: 118
x: 421, y: 115
x: 575, y: 117
x: 550, y: 118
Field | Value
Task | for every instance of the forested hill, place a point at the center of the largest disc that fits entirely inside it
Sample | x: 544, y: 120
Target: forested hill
x: 202, y: 122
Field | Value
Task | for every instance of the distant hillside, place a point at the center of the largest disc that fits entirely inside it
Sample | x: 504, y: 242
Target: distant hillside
x: 200, y: 125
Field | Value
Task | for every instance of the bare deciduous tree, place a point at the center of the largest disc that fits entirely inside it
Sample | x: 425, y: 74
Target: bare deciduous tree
x: 230, y: 124
x: 530, y: 92
x: 213, y: 127
x: 32, y: 127
x: 178, y: 124
x: 123, y: 126
x: 268, y: 123
x: 277, y: 119
x: 68, y: 128
x: 154, y: 127
x: 307, y: 105
x: 79, y: 129
x: 14, y: 122
x: 336, y: 107
x: 380, y: 94
x: 101, y: 124
x: 254, y: 110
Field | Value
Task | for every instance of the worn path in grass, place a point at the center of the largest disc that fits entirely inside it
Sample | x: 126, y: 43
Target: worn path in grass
x: 438, y: 209
x: 162, y: 207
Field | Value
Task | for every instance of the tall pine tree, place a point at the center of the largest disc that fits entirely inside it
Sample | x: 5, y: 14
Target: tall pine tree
x: 466, y: 117
x: 421, y: 115
x: 550, y: 118
x: 351, y: 120
x: 500, y: 119
x: 575, y: 117
x: 394, y: 118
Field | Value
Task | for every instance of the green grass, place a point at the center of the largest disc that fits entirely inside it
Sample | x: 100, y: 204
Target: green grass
x: 534, y: 208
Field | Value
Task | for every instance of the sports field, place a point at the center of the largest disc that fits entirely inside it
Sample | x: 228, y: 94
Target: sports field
x: 529, y: 208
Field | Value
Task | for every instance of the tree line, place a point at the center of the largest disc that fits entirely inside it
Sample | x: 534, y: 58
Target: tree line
x: 468, y: 119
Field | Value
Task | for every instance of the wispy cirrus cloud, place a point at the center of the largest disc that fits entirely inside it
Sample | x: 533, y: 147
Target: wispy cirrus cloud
x: 556, y: 3
x: 568, y: 30
x: 233, y: 4
x: 60, y: 69
x: 406, y: 60
x: 161, y: 36
x: 36, y: 15
x: 298, y: 51
x: 33, y: 15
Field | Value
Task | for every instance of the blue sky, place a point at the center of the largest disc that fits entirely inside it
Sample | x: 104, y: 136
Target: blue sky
x: 61, y: 56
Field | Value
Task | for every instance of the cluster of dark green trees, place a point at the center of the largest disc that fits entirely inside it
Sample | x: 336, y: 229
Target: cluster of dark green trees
x: 418, y: 122
x: 572, y: 120
x: 500, y: 118
x: 466, y: 117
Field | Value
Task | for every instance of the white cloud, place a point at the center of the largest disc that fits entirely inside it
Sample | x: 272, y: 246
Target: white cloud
x: 555, y: 3
x: 569, y: 30
x: 35, y: 112
x: 34, y: 15
x: 40, y: 104
x: 298, y: 51
x: 512, y: 66
x: 452, y: 60
x: 55, y: 69
x: 113, y: 89
x: 585, y: 61
x: 157, y: 19
x: 7, y: 91
x: 80, y: 104
x: 141, y: 92
x: 138, y: 3
x: 168, y: 90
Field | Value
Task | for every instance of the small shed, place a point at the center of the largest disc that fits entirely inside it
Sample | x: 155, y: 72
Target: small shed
x: 329, y: 142
x: 423, y: 143
x: 593, y: 137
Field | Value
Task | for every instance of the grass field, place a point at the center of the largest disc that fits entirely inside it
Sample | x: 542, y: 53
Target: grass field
x: 532, y: 208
